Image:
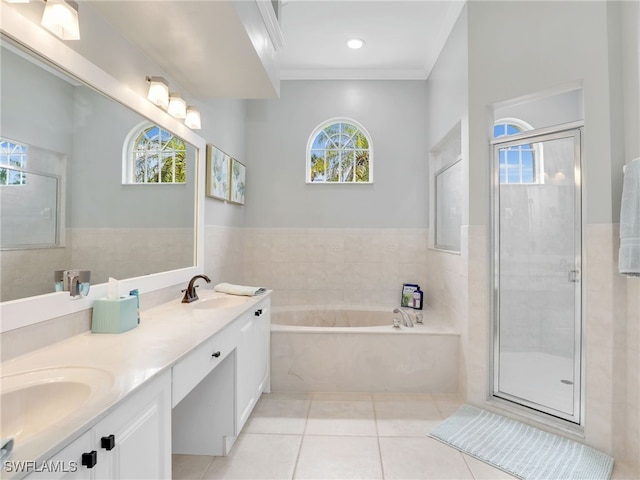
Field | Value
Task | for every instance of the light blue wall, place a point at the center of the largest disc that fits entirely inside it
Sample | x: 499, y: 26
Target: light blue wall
x: 395, y: 115
x: 520, y: 48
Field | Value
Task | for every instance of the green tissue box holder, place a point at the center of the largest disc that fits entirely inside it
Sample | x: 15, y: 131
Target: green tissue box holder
x: 114, y: 315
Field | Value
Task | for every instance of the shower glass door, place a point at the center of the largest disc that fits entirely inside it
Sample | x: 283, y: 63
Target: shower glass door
x: 537, y: 252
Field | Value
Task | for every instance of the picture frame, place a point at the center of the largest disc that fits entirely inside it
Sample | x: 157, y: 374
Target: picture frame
x: 218, y: 174
x: 237, y: 182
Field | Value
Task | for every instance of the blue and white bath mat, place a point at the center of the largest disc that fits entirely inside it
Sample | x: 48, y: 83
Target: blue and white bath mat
x: 519, y: 449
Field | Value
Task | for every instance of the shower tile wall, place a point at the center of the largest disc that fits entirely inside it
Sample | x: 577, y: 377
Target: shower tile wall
x: 332, y: 266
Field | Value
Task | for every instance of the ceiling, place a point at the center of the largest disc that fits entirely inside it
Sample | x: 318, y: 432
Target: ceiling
x: 203, y: 45
x: 403, y: 38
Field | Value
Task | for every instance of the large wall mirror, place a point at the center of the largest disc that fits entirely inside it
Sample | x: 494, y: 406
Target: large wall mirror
x: 64, y: 204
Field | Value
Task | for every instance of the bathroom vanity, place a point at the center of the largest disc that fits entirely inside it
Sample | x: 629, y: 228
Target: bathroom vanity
x: 117, y: 406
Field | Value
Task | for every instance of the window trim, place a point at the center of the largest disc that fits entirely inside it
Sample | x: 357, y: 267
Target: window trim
x: 312, y: 138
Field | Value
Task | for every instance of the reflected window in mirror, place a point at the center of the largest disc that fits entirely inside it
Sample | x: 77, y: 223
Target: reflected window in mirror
x: 14, y: 157
x: 154, y: 155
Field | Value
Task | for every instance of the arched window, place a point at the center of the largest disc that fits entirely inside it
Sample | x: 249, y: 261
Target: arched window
x: 14, y: 156
x: 339, y: 151
x: 154, y: 155
x: 519, y: 164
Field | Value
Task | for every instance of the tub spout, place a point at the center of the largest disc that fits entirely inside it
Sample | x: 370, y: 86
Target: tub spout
x: 405, y: 317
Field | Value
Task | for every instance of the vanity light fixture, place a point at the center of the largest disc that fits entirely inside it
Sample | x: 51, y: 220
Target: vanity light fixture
x: 355, y: 43
x: 158, y: 91
x: 177, y: 106
x: 61, y: 18
x: 192, y: 119
x: 174, y: 104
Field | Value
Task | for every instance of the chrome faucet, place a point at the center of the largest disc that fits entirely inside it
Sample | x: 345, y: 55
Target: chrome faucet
x: 405, y: 316
x: 190, y: 294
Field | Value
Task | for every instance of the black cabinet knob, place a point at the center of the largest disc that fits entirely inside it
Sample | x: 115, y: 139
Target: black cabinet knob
x: 108, y: 442
x: 215, y: 354
x: 89, y: 459
x: 258, y: 312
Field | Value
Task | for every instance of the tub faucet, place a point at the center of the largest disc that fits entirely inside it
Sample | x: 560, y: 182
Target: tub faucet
x: 190, y: 294
x: 405, y: 316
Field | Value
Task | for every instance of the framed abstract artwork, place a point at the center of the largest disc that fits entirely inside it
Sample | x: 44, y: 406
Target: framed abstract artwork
x: 218, y: 173
x: 238, y: 171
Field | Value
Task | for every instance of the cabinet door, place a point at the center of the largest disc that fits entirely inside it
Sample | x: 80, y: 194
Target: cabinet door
x: 134, y: 441
x: 67, y: 464
x: 252, y: 352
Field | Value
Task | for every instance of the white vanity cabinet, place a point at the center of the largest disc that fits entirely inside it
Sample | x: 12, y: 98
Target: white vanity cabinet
x: 253, y: 368
x: 131, y: 442
x: 217, y: 385
x: 134, y: 441
x: 67, y: 463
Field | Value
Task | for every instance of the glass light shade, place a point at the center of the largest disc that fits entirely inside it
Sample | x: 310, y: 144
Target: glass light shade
x: 192, y: 120
x: 177, y: 106
x: 355, y: 43
x: 158, y: 91
x: 61, y: 18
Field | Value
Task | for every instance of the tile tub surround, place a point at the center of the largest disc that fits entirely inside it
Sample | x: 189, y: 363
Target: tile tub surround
x: 360, y: 358
x: 336, y: 266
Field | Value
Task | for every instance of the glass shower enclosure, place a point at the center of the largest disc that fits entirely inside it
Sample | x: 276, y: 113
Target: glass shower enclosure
x: 537, y: 232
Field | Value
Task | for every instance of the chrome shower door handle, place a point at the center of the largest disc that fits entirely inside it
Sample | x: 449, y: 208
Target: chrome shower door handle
x: 574, y: 276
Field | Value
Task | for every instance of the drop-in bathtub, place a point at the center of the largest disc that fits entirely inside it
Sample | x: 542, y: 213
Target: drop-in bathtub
x: 359, y: 350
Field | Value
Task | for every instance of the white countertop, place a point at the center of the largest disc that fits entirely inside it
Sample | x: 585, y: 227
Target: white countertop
x: 166, y: 333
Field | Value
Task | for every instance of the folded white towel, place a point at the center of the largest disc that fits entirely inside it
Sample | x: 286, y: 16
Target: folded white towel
x: 239, y: 289
x: 629, y: 253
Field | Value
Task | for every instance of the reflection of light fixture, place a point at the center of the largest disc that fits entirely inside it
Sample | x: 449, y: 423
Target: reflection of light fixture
x: 192, y: 120
x: 177, y: 106
x: 174, y: 104
x: 61, y: 18
x: 355, y: 43
x: 158, y: 91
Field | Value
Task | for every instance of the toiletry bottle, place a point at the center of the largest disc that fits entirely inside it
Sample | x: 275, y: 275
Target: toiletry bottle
x: 417, y: 299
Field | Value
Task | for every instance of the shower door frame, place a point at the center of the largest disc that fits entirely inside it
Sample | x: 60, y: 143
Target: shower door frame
x: 570, y: 130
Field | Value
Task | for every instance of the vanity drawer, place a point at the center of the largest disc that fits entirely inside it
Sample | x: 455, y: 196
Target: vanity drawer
x: 192, y: 369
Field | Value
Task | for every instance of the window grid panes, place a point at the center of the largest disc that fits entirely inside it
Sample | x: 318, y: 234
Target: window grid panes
x: 158, y: 157
x: 339, y: 153
x: 517, y: 163
x: 12, y: 155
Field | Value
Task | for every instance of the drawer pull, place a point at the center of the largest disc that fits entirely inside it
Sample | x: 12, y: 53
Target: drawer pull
x: 108, y: 442
x: 258, y: 312
x: 216, y: 354
x: 89, y: 459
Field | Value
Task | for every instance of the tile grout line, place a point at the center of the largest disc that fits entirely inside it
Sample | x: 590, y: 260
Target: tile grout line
x: 375, y: 419
x: 304, y: 430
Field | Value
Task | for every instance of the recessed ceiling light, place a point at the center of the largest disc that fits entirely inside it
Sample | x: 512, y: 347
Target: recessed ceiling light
x: 355, y: 43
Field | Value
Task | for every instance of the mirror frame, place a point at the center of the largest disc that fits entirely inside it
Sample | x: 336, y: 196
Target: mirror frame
x: 31, y: 310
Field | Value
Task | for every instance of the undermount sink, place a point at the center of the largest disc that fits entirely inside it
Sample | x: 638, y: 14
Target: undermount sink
x: 33, y: 401
x: 220, y: 302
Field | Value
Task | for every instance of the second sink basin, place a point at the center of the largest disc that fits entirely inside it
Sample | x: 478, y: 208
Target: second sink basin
x: 220, y: 302
x: 35, y: 400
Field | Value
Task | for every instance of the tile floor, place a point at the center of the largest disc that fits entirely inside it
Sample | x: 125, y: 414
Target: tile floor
x: 341, y: 436
x: 346, y: 436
